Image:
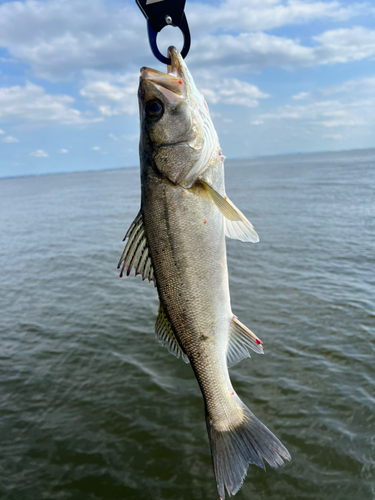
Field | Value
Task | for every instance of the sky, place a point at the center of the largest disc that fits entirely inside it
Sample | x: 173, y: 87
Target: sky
x: 279, y: 76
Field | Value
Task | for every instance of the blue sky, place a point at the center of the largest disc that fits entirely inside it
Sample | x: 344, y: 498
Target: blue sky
x: 279, y: 77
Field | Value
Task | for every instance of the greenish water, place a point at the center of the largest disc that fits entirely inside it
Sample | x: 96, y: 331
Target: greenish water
x: 92, y: 408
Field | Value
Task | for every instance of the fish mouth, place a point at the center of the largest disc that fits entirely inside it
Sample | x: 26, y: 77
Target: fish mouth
x: 175, y: 67
x: 170, y: 84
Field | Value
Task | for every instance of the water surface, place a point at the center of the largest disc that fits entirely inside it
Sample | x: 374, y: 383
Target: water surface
x: 92, y: 408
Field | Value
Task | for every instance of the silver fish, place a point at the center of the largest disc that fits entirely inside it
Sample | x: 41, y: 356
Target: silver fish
x: 178, y: 241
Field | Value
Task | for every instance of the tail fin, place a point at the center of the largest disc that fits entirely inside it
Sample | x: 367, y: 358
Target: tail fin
x: 235, y: 449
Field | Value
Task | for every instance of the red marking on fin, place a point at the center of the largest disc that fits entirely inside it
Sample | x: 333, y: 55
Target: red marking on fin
x: 258, y: 341
x: 204, y: 221
x: 180, y: 82
x: 220, y: 152
x: 232, y: 393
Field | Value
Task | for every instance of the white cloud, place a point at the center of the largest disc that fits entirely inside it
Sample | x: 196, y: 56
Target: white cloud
x: 359, y: 92
x: 63, y: 151
x: 32, y: 103
x: 256, y: 51
x: 327, y: 113
x: 7, y: 60
x: 2, y: 132
x: 233, y: 92
x: 301, y: 95
x: 131, y: 137
x: 100, y: 44
x: 57, y: 37
x: 254, y: 15
x: 333, y: 136
x: 343, y: 45
x: 358, y: 86
x: 9, y: 139
x: 352, y: 108
x: 39, y: 154
x: 250, y: 52
x: 112, y: 94
x: 345, y: 119
x: 95, y: 148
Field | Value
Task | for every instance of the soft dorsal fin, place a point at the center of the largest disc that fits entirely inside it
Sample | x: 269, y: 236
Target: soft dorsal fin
x: 136, y: 251
x: 165, y: 335
x: 236, y: 224
x: 240, y: 341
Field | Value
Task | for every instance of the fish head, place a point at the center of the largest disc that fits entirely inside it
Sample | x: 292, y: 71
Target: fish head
x: 176, y: 127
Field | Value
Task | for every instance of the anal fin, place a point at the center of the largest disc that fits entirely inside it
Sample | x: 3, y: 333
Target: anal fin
x: 166, y: 337
x: 241, y: 340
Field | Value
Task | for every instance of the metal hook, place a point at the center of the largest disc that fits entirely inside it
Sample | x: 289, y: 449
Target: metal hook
x: 155, y: 50
x: 161, y: 13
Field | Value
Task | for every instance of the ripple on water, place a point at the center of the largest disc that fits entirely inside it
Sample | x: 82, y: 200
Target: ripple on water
x: 92, y: 407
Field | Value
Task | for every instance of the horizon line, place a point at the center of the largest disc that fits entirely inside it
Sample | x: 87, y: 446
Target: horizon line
x: 226, y: 159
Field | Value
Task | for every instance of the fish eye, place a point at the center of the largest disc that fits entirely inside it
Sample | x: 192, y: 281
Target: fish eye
x: 154, y: 109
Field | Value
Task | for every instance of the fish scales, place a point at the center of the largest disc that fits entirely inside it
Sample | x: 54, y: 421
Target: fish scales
x: 193, y: 283
x: 178, y: 241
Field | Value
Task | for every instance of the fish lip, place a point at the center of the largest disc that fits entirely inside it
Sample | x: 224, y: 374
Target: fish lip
x: 174, y: 68
x: 171, y: 86
x: 171, y: 81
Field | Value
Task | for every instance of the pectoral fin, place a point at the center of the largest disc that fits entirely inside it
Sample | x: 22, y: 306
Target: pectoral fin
x: 236, y: 224
x: 165, y: 335
x: 240, y: 341
x: 136, y: 251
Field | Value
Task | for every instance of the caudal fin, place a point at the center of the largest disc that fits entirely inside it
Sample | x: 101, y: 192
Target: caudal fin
x: 235, y: 449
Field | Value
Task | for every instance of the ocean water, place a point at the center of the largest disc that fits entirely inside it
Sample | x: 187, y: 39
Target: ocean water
x: 93, y: 408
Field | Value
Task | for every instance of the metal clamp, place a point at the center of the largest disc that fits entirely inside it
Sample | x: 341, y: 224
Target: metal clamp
x: 161, y: 13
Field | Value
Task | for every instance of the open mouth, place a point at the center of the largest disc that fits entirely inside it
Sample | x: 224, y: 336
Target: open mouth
x: 170, y: 84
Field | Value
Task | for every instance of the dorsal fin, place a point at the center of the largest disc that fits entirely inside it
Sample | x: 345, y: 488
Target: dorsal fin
x: 136, y: 251
x: 240, y: 341
x: 236, y: 224
x: 165, y: 335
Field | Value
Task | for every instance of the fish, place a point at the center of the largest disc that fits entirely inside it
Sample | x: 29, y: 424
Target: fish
x: 177, y: 240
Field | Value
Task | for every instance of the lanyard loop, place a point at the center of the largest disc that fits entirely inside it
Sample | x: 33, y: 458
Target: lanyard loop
x: 161, y: 13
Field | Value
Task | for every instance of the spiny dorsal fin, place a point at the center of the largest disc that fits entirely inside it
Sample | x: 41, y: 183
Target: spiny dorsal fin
x: 136, y: 251
x: 236, y: 224
x: 240, y: 341
x: 165, y: 335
